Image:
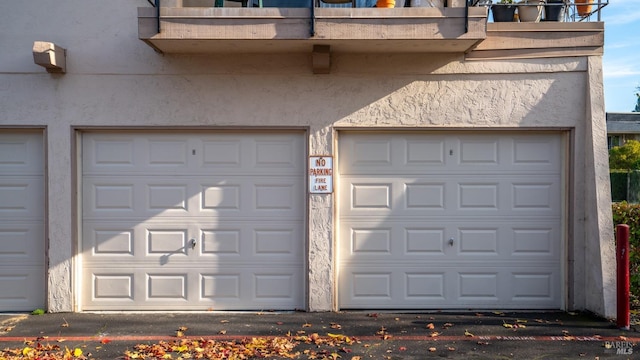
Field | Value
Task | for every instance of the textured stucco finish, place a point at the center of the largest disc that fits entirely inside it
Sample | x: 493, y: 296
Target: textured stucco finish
x: 114, y: 80
x: 600, y: 244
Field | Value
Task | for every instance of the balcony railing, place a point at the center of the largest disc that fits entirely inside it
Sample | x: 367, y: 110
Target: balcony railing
x: 550, y: 10
x: 340, y: 26
x: 186, y: 26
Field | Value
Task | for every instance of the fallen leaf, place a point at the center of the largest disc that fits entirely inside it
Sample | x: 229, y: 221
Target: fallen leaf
x: 222, y: 332
x: 430, y: 326
x: 77, y: 352
x: 279, y: 323
x: 451, y: 348
x: 447, y: 325
x: 432, y: 349
x: 336, y: 326
x: 397, y: 319
x: 61, y: 340
x: 402, y: 348
x: 38, y: 312
x: 105, y: 341
x: 508, y: 326
x: 356, y: 358
x: 224, y: 321
x: 434, y: 334
x: 306, y: 325
x: 467, y: 333
x: 521, y: 321
x: 373, y: 315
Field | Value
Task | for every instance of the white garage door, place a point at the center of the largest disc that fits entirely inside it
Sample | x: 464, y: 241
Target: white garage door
x: 22, y: 273
x: 450, y: 220
x: 200, y: 221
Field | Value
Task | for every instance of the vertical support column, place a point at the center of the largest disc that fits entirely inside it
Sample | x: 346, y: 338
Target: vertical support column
x: 599, y: 240
x: 60, y: 218
x: 321, y: 232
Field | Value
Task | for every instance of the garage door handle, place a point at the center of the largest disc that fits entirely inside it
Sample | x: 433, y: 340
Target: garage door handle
x: 451, y: 242
x: 193, y: 243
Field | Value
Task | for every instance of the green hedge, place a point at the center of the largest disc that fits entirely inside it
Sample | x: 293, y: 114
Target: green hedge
x: 618, y: 185
x: 625, y: 185
x: 625, y: 213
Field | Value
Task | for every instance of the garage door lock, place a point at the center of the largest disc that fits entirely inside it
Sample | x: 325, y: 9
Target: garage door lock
x: 451, y: 242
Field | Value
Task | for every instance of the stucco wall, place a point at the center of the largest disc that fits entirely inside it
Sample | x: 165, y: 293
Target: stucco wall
x: 115, y: 80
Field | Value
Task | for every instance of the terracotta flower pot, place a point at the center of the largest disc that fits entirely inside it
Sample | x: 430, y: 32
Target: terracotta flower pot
x: 583, y: 7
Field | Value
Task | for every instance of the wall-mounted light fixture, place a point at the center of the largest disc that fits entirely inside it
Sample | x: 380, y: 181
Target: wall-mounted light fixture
x: 50, y: 56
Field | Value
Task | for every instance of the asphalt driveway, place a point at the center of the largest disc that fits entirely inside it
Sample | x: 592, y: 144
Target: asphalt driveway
x: 342, y: 335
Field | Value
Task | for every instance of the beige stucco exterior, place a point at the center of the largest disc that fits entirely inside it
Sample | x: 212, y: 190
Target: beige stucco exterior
x: 114, y: 80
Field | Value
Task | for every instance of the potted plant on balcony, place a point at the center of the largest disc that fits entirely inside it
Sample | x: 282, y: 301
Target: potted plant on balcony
x: 530, y: 10
x: 554, y: 10
x: 583, y: 7
x: 503, y: 10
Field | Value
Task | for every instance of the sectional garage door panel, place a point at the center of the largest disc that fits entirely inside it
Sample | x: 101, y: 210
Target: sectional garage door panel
x: 447, y: 286
x: 450, y: 220
x: 380, y: 153
x: 22, y: 258
x: 439, y: 195
x: 193, y: 221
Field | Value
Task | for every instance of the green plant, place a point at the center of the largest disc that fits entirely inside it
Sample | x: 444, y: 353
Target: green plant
x: 625, y: 213
x: 625, y: 157
x: 37, y: 312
